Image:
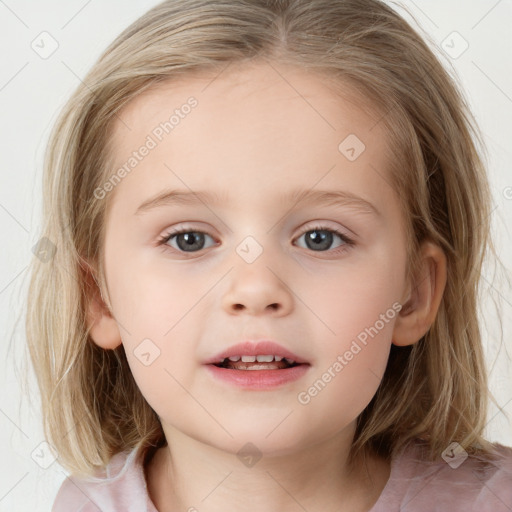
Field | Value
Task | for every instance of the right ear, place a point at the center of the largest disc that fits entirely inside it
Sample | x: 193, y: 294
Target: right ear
x: 101, y: 324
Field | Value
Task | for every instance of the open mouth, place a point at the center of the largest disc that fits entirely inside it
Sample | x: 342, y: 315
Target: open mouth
x: 261, y: 372
x: 256, y: 363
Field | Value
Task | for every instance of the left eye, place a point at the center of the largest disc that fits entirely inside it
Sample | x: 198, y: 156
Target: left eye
x: 322, y: 238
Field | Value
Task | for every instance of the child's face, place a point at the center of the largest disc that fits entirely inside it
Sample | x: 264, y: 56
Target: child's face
x: 254, y: 138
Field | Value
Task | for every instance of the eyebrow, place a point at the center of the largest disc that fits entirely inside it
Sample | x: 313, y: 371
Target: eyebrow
x: 321, y: 197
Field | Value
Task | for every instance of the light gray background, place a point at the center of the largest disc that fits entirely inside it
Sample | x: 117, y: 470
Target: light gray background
x: 32, y: 91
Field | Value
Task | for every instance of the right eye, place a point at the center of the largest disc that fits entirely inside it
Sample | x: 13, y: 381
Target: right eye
x: 186, y: 240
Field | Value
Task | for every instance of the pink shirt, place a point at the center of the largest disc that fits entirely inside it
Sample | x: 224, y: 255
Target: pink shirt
x: 414, y: 485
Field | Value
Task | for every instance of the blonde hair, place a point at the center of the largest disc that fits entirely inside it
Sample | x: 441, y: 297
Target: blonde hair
x: 435, y: 390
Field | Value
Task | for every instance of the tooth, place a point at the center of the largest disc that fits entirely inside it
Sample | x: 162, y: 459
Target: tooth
x: 234, y: 358
x: 289, y: 361
x: 248, y: 359
x: 264, y: 359
x: 262, y: 367
x: 278, y: 358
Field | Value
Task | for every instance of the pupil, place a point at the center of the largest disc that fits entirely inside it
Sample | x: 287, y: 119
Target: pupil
x: 322, y: 239
x: 191, y: 241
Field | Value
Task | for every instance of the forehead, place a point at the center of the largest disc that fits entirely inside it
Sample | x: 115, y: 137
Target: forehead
x: 246, y: 125
x: 259, y: 82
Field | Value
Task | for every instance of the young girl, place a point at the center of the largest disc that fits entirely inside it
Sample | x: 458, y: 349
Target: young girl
x: 267, y: 221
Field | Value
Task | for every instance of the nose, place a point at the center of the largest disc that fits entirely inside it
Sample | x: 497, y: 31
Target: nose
x: 257, y: 289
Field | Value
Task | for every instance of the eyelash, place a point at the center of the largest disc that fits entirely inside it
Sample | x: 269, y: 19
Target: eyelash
x: 348, y: 242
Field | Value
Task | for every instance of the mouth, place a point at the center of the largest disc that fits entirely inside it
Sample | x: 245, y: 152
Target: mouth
x: 258, y: 366
x: 262, y: 355
x: 258, y: 362
x: 257, y: 372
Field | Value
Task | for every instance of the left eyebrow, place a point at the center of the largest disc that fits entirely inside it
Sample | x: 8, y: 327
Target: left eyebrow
x: 319, y: 197
x: 333, y: 198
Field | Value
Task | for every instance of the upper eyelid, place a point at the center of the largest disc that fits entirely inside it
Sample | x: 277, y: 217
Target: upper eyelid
x: 317, y: 225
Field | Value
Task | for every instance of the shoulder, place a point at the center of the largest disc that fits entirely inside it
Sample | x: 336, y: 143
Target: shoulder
x: 457, y: 481
x: 121, y: 486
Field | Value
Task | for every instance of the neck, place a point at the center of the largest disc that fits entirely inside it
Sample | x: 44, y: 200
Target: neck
x: 190, y: 475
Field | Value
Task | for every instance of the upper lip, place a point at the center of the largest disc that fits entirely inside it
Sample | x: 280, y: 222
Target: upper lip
x: 248, y: 348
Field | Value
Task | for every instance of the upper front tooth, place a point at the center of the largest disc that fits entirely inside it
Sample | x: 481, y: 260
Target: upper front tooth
x: 260, y: 358
x: 234, y: 358
x: 264, y: 359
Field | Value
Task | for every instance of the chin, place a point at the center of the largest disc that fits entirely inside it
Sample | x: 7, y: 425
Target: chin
x: 258, y: 443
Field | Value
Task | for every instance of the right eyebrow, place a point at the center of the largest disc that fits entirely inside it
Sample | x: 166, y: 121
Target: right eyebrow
x: 171, y: 196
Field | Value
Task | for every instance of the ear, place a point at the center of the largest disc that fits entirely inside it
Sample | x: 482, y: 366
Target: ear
x: 422, y: 302
x: 102, y: 326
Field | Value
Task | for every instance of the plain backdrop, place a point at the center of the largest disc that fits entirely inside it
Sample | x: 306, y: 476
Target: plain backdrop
x: 472, y: 38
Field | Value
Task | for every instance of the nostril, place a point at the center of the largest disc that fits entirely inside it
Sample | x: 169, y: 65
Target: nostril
x: 238, y: 307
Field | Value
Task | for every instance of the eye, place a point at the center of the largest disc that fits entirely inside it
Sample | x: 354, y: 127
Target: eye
x: 186, y: 240
x: 320, y: 238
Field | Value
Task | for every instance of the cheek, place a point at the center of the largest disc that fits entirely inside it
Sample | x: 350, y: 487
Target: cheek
x: 353, y: 354
x: 358, y: 297
x: 359, y: 307
x: 151, y: 300
x: 157, y: 314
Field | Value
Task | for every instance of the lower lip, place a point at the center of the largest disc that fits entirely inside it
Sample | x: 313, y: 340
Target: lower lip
x: 259, y: 379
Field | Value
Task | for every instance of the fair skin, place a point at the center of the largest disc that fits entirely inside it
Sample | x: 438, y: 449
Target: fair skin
x: 253, y: 139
